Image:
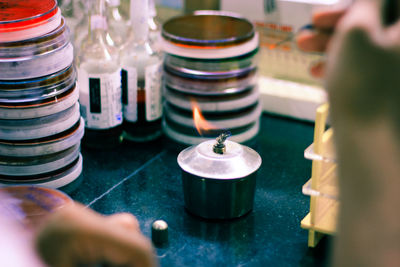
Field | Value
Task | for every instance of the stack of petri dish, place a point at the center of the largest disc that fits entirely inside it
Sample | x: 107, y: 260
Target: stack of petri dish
x: 40, y: 122
x: 210, y: 72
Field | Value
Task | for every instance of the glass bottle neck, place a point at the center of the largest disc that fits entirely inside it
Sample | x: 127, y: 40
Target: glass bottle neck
x: 97, y: 27
x: 113, y: 12
x: 99, y: 7
x: 97, y: 20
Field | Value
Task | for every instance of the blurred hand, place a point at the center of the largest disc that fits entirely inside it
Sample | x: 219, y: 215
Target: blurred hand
x: 363, y: 58
x: 76, y: 236
x: 362, y: 79
x: 318, y: 38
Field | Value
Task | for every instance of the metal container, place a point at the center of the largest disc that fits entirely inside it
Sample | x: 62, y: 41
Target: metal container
x: 219, y: 178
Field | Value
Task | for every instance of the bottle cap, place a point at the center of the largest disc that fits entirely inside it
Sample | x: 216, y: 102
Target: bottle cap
x: 159, y: 232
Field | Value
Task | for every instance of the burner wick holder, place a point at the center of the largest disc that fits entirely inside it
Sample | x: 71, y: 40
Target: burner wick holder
x: 219, y: 147
x: 219, y: 178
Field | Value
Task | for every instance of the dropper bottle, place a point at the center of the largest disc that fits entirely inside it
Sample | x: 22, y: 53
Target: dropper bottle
x: 141, y: 80
x: 99, y: 82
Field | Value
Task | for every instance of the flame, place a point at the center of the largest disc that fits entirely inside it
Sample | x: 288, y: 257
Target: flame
x: 199, y: 121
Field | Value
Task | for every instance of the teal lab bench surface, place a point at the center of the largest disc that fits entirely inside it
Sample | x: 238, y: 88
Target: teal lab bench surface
x: 145, y: 180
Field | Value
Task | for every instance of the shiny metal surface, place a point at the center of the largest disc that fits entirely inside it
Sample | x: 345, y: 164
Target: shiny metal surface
x: 159, y: 232
x: 218, y: 199
x: 237, y: 162
x: 219, y: 186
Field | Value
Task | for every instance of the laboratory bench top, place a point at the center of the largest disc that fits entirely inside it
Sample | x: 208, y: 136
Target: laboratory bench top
x: 145, y: 180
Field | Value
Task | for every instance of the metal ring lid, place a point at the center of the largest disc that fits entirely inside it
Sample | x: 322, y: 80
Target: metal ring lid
x: 208, y: 30
x: 219, y: 159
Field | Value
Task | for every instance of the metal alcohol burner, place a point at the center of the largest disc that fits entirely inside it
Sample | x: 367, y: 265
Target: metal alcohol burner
x: 219, y: 178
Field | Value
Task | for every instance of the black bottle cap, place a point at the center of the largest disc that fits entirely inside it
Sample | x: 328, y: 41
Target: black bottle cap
x: 159, y: 232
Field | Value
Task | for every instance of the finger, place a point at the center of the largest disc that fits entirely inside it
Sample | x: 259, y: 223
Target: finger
x: 386, y: 35
x: 313, y: 41
x: 390, y: 11
x: 364, y: 16
x: 392, y: 37
x: 127, y: 249
x: 126, y: 220
x: 318, y: 70
x: 79, y: 235
x: 391, y: 19
x: 353, y: 57
x: 327, y: 19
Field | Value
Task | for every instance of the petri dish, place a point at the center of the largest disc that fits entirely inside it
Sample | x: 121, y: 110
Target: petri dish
x: 24, y: 12
x: 212, y: 65
x: 57, y: 179
x: 36, y: 57
x: 25, y: 19
x: 30, y: 205
x: 17, y: 166
x: 189, y: 135
x: 212, y: 103
x: 207, y: 31
x: 231, y: 85
x: 39, y: 177
x: 213, y: 75
x: 28, y: 129
x: 40, y: 108
x: 38, y: 45
x: 37, y: 65
x: 219, y: 120
x: 38, y: 89
x: 43, y: 146
x: 207, y: 41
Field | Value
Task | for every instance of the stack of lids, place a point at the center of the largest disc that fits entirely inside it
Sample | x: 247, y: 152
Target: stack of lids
x: 210, y: 78
x: 40, y: 123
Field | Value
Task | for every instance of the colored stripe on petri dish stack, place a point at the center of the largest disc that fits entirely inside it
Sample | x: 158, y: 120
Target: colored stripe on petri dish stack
x: 40, y: 123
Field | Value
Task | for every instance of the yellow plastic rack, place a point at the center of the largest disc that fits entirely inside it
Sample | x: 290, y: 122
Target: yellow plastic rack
x: 322, y: 187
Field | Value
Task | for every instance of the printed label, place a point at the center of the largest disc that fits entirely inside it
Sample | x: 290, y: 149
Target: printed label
x: 130, y: 94
x: 100, y: 99
x: 152, y: 86
x: 153, y: 92
x: 124, y: 86
x: 94, y: 95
